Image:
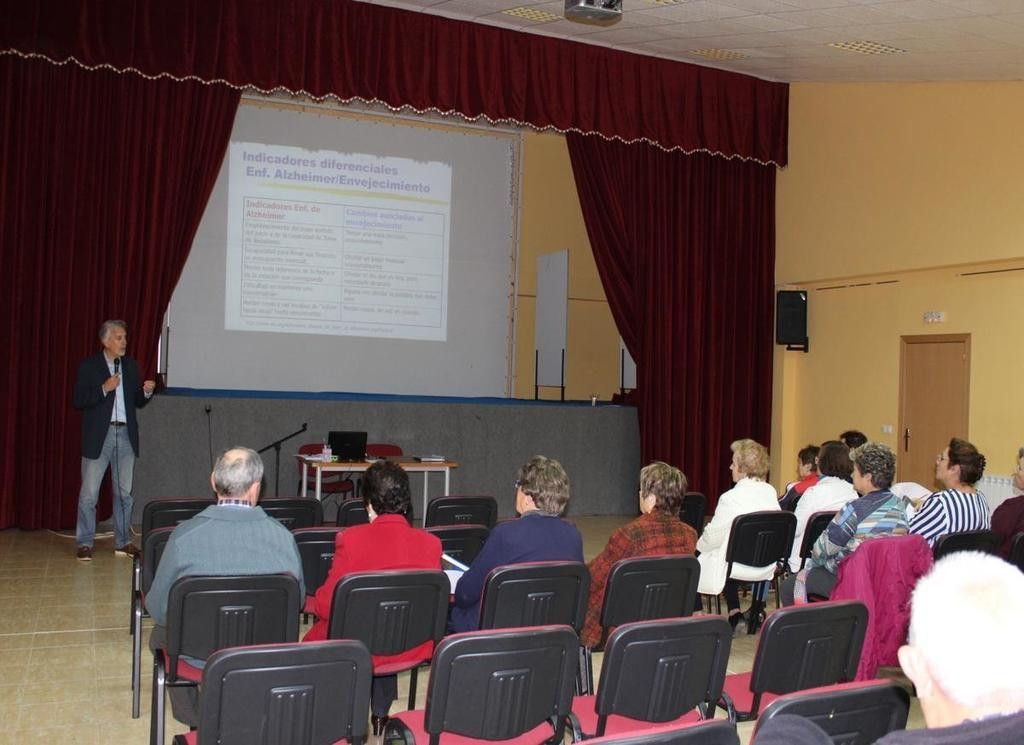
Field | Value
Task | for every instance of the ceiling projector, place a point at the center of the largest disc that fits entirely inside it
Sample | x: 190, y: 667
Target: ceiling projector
x: 593, y: 11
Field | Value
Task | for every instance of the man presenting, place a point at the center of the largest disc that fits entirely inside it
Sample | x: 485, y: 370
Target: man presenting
x: 108, y: 391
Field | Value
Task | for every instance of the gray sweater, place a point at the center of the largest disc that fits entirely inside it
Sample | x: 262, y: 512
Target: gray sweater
x: 223, y: 540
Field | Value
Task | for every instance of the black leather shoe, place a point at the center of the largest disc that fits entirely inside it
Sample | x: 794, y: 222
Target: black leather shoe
x: 379, y: 723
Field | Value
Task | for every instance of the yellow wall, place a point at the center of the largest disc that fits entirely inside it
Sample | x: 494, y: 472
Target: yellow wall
x: 551, y: 221
x: 914, y: 182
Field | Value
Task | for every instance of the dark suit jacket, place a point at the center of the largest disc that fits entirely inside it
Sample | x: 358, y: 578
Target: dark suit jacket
x: 97, y: 408
x: 386, y: 543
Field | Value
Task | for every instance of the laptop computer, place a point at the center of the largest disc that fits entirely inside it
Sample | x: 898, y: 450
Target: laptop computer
x: 347, y: 445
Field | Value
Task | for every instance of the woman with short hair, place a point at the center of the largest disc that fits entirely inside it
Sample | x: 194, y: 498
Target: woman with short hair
x: 832, y: 492
x: 960, y: 506
x: 657, y: 531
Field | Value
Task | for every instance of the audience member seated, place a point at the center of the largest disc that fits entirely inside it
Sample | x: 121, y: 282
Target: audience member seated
x: 231, y: 537
x: 749, y: 467
x: 962, y: 658
x: 539, y: 534
x: 386, y: 542
x: 807, y: 470
x: 877, y: 512
x: 853, y: 438
x: 658, y: 530
x: 958, y: 507
x: 832, y: 492
x: 1008, y: 519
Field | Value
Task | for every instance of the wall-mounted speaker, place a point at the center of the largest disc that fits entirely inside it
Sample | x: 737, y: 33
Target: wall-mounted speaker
x: 791, y: 319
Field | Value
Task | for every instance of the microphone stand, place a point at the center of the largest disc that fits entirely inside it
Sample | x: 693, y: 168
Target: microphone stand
x: 277, y: 454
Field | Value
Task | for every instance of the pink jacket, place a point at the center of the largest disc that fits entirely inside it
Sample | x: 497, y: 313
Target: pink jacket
x: 882, y: 573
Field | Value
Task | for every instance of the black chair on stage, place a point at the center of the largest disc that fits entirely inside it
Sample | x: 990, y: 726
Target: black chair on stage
x: 497, y: 685
x: 850, y: 713
x: 206, y: 614
x: 461, y: 542
x: 461, y: 510
x: 985, y: 541
x: 307, y: 694
x: 294, y: 512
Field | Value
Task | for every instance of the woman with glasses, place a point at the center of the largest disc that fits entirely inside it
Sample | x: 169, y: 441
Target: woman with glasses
x: 960, y: 506
x: 540, y: 534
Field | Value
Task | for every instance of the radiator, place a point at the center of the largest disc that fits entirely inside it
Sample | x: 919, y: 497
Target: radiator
x: 996, y: 489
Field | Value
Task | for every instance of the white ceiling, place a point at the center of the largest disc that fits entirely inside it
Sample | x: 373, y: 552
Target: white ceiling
x: 789, y: 40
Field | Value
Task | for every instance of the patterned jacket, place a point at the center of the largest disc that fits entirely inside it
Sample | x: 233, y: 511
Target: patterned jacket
x: 876, y: 514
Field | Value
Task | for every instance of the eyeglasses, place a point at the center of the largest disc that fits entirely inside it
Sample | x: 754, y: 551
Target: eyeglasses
x: 941, y: 457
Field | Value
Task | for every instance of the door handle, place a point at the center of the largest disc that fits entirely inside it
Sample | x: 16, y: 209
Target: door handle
x: 906, y: 440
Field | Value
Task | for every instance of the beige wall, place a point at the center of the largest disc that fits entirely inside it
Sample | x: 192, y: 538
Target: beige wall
x: 919, y: 183
x: 551, y: 221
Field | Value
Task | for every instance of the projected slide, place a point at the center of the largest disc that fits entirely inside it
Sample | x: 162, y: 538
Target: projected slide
x: 325, y: 242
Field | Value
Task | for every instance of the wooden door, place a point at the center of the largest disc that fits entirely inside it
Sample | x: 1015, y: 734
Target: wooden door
x: 934, y: 398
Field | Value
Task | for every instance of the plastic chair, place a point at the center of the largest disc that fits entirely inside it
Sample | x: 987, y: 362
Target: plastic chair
x: 712, y: 732
x: 816, y: 525
x: 331, y: 483
x: 654, y: 672
x: 461, y: 542
x: 205, y: 614
x: 152, y: 550
x: 294, y: 512
x: 850, y: 713
x: 536, y: 593
x: 801, y: 647
x: 352, y: 512
x: 760, y: 539
x: 392, y: 612
x: 1016, y: 556
x: 382, y: 450
x: 693, y: 510
x: 986, y: 541
x: 643, y: 589
x: 495, y: 686
x: 308, y: 694
x: 459, y: 510
x: 316, y: 550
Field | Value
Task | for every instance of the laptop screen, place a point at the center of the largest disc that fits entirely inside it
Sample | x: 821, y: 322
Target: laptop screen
x: 347, y: 445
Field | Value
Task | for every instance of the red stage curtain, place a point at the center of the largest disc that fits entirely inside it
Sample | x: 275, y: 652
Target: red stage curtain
x: 685, y: 246
x: 104, y: 179
x: 404, y: 58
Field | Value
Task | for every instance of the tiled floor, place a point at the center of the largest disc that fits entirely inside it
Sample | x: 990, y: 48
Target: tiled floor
x: 65, y: 651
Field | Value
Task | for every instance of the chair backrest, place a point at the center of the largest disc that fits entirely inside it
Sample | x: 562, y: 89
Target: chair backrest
x: 316, y: 550
x: 166, y: 513
x: 649, y: 587
x: 294, y: 512
x: 391, y: 611
x: 496, y: 685
x: 816, y: 525
x: 461, y: 542
x: 382, y: 450
x: 205, y: 614
x: 458, y: 510
x: 968, y: 540
x: 1017, y: 551
x: 152, y: 550
x: 710, y: 732
x: 302, y: 693
x: 850, y: 713
x: 807, y: 646
x: 657, y: 671
x: 537, y: 593
x: 693, y: 509
x: 352, y: 512
x: 759, y: 539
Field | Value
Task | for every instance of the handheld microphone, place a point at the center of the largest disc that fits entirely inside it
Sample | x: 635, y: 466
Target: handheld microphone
x: 117, y: 366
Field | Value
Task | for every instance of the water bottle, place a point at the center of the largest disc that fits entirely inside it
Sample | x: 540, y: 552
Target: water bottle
x: 325, y: 453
